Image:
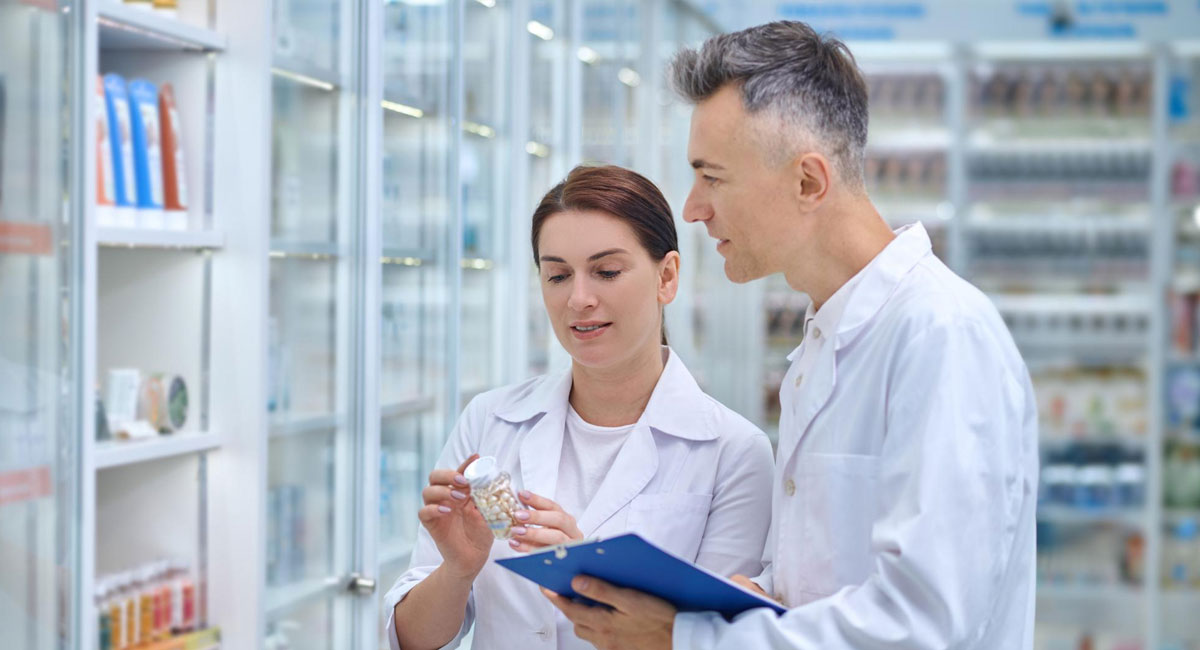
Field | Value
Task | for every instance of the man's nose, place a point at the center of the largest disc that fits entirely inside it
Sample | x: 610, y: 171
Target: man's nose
x: 697, y: 207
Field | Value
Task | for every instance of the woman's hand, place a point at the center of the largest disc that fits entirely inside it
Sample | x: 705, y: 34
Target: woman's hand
x: 462, y: 536
x: 544, y: 525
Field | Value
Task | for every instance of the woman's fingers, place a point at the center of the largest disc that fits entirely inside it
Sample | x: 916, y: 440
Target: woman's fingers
x: 438, y: 494
x: 537, y: 501
x: 548, y: 514
x: 530, y: 539
x: 432, y: 512
x: 554, y: 519
x: 452, y: 477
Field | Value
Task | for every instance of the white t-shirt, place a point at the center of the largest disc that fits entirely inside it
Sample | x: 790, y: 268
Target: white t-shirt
x: 588, y: 452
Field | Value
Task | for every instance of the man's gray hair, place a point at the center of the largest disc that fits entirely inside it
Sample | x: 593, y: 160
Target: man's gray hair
x: 798, y: 76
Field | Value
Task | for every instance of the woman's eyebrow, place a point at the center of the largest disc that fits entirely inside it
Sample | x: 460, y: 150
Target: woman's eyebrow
x: 611, y: 251
x: 593, y: 258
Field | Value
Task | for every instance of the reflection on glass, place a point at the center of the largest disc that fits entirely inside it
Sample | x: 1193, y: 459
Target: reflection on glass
x: 415, y: 308
x: 302, y: 333
x: 307, y: 31
x: 305, y: 162
x: 482, y: 172
x: 37, y: 515
x: 311, y: 527
x: 311, y: 625
x: 300, y: 545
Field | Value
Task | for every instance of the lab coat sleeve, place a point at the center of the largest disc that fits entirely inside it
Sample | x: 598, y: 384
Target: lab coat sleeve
x: 766, y: 579
x: 741, y: 509
x: 950, y: 490
x: 463, y: 442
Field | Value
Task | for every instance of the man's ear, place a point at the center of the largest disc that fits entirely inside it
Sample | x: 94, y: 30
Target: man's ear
x: 812, y: 177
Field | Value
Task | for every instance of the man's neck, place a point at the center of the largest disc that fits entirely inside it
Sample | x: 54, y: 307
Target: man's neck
x: 848, y: 236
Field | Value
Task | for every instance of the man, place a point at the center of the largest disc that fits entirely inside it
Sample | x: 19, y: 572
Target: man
x: 906, y: 474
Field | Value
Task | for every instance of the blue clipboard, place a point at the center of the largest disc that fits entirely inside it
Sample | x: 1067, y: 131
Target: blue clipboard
x: 630, y: 561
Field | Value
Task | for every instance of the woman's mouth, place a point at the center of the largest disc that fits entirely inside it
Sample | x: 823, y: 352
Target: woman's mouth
x: 588, y: 331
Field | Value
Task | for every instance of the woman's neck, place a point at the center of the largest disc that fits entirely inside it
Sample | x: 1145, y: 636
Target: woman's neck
x: 616, y: 396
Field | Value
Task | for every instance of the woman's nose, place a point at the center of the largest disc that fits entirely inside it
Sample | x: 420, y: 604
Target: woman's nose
x: 582, y: 297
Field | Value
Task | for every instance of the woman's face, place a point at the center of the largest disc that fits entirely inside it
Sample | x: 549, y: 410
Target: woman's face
x: 602, y: 291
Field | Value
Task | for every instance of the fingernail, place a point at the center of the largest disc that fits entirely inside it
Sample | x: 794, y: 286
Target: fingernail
x: 514, y: 543
x: 522, y: 515
x: 518, y: 530
x: 460, y: 479
x: 457, y: 495
x: 443, y: 508
x: 581, y: 584
x: 525, y: 495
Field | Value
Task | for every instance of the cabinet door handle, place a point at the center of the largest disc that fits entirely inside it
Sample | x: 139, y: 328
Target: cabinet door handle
x: 361, y: 585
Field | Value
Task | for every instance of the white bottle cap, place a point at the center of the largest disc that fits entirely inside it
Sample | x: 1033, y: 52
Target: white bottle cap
x: 482, y: 472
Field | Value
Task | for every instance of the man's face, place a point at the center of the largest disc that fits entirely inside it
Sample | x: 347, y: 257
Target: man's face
x: 740, y: 198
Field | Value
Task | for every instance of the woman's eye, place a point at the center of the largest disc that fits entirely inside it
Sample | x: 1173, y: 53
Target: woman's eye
x: 609, y: 275
x: 711, y: 180
x: 555, y: 279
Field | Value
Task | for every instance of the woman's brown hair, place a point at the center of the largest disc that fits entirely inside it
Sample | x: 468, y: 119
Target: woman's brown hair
x: 622, y: 193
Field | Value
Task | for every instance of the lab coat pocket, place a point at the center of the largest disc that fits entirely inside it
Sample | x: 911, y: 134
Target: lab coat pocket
x: 838, y: 495
x: 673, y: 521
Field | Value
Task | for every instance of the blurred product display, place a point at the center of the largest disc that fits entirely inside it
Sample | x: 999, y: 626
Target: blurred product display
x: 285, y: 265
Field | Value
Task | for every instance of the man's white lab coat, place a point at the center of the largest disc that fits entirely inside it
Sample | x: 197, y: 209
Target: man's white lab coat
x: 905, y: 487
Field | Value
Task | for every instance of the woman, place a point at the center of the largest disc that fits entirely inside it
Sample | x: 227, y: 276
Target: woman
x: 623, y: 441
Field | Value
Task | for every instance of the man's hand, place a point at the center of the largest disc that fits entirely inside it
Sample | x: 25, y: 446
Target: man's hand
x: 743, y: 581
x: 636, y: 621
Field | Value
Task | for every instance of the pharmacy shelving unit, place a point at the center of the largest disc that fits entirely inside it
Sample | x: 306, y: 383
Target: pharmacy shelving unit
x: 148, y: 304
x: 1179, y: 495
x: 1059, y: 231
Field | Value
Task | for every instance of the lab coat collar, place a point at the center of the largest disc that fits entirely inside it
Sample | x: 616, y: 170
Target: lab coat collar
x: 673, y: 409
x: 878, y: 281
x: 858, y: 300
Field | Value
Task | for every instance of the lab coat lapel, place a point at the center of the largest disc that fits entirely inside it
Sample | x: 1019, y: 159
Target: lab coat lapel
x: 541, y: 450
x: 815, y: 391
x: 635, y: 465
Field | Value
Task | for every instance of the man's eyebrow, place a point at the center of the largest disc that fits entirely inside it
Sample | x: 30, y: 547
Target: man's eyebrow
x: 700, y: 163
x: 593, y: 258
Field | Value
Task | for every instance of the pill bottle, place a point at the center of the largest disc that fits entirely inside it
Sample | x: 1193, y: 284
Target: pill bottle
x: 491, y: 490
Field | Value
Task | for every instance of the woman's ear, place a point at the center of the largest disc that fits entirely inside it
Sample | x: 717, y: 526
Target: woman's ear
x: 668, y: 277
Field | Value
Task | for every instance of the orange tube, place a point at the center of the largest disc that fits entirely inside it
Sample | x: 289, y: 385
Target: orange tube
x: 174, y: 179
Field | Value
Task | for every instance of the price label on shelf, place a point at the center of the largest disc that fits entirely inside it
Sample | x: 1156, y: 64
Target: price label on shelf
x: 26, y: 238
x: 25, y: 485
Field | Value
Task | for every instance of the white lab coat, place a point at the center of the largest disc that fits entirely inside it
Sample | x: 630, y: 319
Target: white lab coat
x: 692, y: 477
x: 906, y: 475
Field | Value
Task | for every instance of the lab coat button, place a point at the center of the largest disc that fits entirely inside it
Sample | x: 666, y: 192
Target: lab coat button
x: 799, y: 378
x: 816, y: 332
x: 789, y: 486
x: 544, y: 633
